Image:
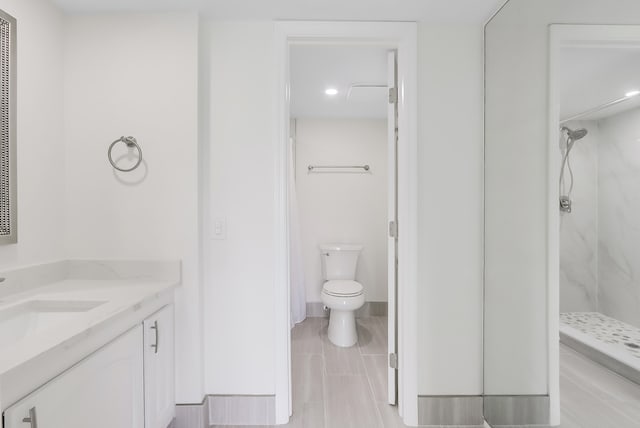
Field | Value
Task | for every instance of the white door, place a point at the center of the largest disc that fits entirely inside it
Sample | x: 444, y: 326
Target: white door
x: 392, y: 250
x: 104, y: 390
x: 159, y: 379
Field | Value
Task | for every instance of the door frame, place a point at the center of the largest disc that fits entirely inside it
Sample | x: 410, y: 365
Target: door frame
x: 566, y: 35
x: 401, y: 36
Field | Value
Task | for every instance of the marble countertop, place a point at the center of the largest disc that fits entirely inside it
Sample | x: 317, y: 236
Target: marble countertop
x: 52, y: 316
x: 112, y: 298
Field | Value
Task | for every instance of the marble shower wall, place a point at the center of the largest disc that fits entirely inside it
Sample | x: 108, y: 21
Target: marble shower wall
x: 579, y: 230
x: 600, y: 239
x: 619, y: 217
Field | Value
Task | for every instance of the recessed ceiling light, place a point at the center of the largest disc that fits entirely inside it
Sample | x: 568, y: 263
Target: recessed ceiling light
x: 331, y: 91
x: 632, y: 93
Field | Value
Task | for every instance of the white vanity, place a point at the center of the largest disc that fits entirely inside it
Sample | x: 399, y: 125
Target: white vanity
x: 88, y: 344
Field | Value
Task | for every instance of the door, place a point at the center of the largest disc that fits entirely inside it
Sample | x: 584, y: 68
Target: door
x: 159, y: 379
x: 392, y: 248
x: 105, y: 390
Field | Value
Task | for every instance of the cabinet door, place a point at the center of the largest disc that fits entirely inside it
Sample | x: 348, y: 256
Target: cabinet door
x: 159, y: 379
x: 105, y: 390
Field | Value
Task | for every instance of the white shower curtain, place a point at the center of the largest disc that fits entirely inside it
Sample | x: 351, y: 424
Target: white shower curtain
x: 297, y: 289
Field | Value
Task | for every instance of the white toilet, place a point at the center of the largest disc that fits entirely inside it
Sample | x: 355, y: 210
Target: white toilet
x: 340, y: 292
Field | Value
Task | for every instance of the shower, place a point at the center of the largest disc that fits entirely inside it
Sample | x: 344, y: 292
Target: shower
x: 572, y: 137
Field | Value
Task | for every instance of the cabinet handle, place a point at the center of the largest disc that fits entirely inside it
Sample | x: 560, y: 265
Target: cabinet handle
x: 153, y: 345
x: 31, y: 420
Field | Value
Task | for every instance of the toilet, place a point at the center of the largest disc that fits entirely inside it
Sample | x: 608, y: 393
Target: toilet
x: 340, y: 292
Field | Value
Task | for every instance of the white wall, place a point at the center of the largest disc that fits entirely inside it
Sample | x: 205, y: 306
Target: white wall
x: 136, y: 74
x: 40, y: 145
x: 239, y: 289
x: 239, y: 282
x: 343, y: 207
x: 450, y: 210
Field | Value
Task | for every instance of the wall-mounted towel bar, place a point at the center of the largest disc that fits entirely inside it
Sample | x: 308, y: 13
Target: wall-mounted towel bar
x: 312, y: 168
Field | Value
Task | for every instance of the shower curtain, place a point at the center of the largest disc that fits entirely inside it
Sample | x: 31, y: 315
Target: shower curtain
x: 296, y: 273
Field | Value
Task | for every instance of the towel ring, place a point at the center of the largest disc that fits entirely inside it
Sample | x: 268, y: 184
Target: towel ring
x: 130, y: 142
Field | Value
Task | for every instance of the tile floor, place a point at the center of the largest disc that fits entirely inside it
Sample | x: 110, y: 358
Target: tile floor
x: 350, y: 384
x: 341, y: 387
x: 592, y: 396
x: 347, y: 387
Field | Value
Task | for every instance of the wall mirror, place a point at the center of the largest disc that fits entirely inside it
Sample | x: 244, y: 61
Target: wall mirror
x: 559, y: 73
x: 8, y: 185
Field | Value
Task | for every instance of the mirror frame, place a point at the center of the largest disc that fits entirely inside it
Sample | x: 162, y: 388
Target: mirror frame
x: 12, y: 237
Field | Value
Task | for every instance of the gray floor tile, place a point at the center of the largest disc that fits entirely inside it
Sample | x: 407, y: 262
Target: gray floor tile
x: 376, y: 368
x: 568, y: 421
x: 346, y: 387
x: 349, y: 403
x: 310, y: 415
x: 588, y: 411
x: 390, y: 417
x: 601, y: 381
x: 630, y: 410
x: 337, y: 387
x: 246, y: 426
x: 313, y: 416
x: 372, y: 335
x: 307, y: 373
x: 593, y: 396
x: 341, y: 361
x: 306, y: 336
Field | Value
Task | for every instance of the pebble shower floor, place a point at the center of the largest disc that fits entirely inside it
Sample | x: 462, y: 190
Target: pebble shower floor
x: 625, y: 337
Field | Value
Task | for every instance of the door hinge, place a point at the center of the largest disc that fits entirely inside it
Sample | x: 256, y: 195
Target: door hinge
x: 393, y: 229
x: 393, y: 95
x: 393, y: 361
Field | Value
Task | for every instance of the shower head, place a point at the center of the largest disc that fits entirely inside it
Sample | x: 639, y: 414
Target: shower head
x: 577, y: 134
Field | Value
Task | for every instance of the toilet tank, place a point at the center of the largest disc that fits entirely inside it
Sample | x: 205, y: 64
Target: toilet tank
x: 339, y: 261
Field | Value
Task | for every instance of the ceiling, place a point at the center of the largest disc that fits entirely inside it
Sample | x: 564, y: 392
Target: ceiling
x: 592, y: 76
x: 315, y: 68
x: 470, y: 11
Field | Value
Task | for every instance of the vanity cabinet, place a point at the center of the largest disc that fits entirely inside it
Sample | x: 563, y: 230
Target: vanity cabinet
x: 105, y: 390
x: 128, y: 383
x: 159, y: 392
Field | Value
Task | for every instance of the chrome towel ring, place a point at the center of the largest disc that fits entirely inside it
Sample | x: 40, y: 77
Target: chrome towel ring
x: 130, y: 142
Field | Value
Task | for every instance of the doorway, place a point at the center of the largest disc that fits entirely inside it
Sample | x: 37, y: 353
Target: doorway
x: 398, y: 41
x: 341, y: 200
x: 593, y: 115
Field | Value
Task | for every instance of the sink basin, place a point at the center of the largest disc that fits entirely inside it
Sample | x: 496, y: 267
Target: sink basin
x: 36, y: 316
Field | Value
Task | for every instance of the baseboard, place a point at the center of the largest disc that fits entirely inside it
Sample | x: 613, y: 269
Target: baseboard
x: 450, y: 410
x: 369, y: 309
x: 242, y: 409
x: 227, y: 410
x: 510, y: 410
x: 192, y: 415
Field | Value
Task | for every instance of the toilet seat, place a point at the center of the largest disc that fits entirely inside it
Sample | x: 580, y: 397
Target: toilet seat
x: 343, y: 288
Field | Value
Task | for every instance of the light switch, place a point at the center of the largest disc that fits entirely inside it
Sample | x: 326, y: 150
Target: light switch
x: 219, y: 228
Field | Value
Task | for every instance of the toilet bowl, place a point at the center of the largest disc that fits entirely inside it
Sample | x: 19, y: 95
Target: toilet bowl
x: 341, y: 293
